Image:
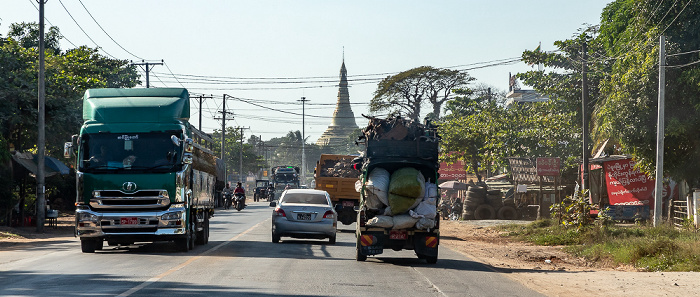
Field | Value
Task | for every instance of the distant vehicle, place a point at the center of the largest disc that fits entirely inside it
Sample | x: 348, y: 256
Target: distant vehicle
x: 284, y: 177
x: 336, y: 175
x: 304, y: 213
x: 261, y: 189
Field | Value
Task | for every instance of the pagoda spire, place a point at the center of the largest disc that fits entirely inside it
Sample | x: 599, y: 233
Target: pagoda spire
x: 343, y: 122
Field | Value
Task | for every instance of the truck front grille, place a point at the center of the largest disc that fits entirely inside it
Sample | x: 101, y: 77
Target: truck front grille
x: 145, y: 199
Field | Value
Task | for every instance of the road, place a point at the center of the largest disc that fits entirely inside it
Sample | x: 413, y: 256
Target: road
x: 240, y: 259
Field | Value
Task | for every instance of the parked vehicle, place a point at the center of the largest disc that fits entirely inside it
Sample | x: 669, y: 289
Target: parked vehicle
x: 399, y: 199
x: 304, y: 213
x: 143, y: 172
x: 239, y: 199
x: 336, y: 175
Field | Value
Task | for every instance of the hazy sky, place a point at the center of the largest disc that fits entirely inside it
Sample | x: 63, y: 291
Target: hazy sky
x: 272, y: 53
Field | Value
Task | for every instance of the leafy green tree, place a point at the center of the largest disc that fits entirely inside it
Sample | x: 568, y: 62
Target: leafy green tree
x: 232, y: 148
x: 407, y: 91
x: 629, y: 32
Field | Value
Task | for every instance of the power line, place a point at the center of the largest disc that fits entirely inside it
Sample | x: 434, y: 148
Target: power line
x: 103, y: 30
x: 59, y: 30
x: 81, y: 29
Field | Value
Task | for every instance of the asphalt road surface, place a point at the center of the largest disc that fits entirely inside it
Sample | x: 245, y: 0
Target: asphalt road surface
x: 240, y: 259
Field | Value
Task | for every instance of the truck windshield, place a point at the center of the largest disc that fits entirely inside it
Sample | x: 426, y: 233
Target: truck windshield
x: 130, y: 152
x: 285, y: 177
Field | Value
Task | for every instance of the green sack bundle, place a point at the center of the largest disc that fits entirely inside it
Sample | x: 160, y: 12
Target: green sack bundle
x: 406, y: 188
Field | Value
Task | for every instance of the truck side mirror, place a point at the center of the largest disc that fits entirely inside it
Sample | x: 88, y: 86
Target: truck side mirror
x: 175, y: 140
x: 67, y: 150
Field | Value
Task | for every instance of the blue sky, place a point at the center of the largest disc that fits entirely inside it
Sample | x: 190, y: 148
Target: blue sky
x: 272, y: 53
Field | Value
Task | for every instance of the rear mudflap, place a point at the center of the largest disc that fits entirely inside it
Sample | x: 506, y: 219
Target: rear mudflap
x: 371, y: 243
x: 426, y: 243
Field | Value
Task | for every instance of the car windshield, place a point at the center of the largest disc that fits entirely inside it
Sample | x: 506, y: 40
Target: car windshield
x: 305, y: 198
x: 129, y: 152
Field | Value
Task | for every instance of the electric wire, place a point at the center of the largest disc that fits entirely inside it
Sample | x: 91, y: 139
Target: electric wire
x: 81, y: 29
x: 103, y: 30
x: 47, y: 20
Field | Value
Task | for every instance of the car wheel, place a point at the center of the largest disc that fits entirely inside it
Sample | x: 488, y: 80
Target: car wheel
x: 275, y: 238
x: 331, y: 239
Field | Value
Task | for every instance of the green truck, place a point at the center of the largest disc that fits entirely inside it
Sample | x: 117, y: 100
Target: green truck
x: 143, y: 173
x: 400, y: 160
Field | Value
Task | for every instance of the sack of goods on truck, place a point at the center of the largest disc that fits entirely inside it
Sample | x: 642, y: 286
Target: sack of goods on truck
x: 376, y: 189
x: 404, y: 197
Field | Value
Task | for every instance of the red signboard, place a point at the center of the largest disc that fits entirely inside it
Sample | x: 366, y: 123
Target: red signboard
x: 627, y: 185
x: 548, y: 166
x: 454, y: 171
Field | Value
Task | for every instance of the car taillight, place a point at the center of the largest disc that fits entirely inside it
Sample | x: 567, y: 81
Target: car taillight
x: 279, y: 212
x: 329, y: 215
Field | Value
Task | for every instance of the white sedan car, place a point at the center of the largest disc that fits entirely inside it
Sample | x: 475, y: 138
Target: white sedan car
x: 304, y: 213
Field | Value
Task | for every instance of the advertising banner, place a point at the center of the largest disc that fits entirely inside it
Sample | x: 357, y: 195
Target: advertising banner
x: 454, y: 171
x: 548, y: 166
x: 627, y: 185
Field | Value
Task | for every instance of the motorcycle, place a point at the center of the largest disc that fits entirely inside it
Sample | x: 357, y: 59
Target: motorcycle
x: 227, y: 200
x: 239, y: 201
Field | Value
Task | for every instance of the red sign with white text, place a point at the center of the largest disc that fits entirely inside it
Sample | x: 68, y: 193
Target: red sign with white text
x: 627, y: 185
x: 454, y: 171
x: 548, y: 166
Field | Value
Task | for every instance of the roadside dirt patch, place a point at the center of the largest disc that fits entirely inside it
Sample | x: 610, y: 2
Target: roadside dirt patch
x: 553, y: 272
x: 23, y: 237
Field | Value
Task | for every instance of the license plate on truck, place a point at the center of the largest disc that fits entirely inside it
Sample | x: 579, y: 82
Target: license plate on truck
x: 129, y: 221
x: 398, y: 235
x: 348, y: 204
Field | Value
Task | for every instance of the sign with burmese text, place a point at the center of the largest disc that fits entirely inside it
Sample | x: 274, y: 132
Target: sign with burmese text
x: 548, y: 166
x: 454, y: 171
x: 627, y: 185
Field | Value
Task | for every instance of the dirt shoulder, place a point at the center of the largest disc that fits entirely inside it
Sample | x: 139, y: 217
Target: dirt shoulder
x: 553, y: 272
x: 24, y: 237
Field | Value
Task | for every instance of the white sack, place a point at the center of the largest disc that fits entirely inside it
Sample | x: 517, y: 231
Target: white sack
x: 381, y: 222
x: 431, y: 190
x: 378, y: 185
x: 404, y: 221
x: 425, y: 224
x: 427, y: 210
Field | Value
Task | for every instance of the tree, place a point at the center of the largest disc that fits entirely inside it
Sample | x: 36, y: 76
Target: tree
x: 629, y: 32
x: 407, y: 91
x: 232, y: 148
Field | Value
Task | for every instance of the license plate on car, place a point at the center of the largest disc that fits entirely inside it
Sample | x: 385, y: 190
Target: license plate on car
x: 304, y: 216
x: 398, y: 235
x: 348, y: 204
x: 129, y: 221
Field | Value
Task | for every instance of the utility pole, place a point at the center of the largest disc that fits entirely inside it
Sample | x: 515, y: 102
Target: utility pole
x: 303, y: 138
x: 240, y: 160
x: 41, y: 137
x: 224, y: 112
x: 148, y: 70
x: 659, y: 189
x: 200, y: 109
x: 584, y: 116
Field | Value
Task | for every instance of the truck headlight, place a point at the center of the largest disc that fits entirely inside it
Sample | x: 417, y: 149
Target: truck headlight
x: 86, y: 216
x: 171, y: 216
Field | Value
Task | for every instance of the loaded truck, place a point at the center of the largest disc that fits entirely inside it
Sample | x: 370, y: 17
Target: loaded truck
x: 336, y: 175
x: 143, y: 173
x: 398, y: 195
x: 283, y: 176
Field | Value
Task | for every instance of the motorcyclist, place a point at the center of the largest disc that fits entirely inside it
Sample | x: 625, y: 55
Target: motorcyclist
x: 227, y: 192
x: 239, y: 190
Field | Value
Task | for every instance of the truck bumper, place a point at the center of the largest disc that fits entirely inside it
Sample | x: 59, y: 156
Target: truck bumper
x: 137, y: 226
x: 373, y: 241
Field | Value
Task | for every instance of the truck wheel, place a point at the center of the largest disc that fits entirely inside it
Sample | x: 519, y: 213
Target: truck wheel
x: 206, y: 227
x: 98, y: 244
x: 431, y: 259
x: 88, y: 245
x: 358, y: 255
x: 193, y: 235
x: 183, y: 244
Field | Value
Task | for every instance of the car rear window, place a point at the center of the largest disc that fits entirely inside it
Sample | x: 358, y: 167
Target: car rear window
x: 305, y: 198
